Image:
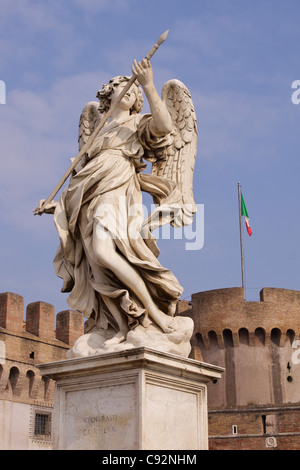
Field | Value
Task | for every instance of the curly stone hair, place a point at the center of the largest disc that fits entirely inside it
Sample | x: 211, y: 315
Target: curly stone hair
x: 104, y: 95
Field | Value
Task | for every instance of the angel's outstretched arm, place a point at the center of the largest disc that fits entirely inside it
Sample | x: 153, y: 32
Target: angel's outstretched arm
x: 162, y: 122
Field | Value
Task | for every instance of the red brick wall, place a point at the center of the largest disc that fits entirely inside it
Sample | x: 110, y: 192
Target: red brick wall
x: 283, y: 424
x: 253, y: 342
x: 11, y: 311
x: 225, y: 308
x: 25, y: 344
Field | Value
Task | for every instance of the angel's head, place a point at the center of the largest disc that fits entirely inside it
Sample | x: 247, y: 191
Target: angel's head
x: 105, y: 94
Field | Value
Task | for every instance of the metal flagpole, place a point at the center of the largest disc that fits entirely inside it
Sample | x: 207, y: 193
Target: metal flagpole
x: 241, y: 238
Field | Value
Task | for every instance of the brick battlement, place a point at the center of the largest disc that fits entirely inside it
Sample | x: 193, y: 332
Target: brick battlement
x: 258, y: 395
x: 23, y: 344
x: 40, y: 320
x: 224, y: 312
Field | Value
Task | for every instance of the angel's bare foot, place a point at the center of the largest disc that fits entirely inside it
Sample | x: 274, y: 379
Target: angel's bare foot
x: 166, y: 323
x: 117, y: 339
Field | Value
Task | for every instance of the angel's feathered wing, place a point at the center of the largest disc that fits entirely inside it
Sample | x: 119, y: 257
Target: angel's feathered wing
x: 179, y: 158
x: 89, y: 120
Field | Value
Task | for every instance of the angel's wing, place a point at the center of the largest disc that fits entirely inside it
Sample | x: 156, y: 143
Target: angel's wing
x: 179, y: 158
x: 89, y: 119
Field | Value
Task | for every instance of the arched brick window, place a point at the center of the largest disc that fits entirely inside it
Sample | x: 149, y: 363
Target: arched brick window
x: 198, y: 341
x: 30, y: 377
x: 275, y: 336
x: 243, y: 336
x: 290, y: 336
x: 228, y: 339
x: 260, y: 336
x: 13, y: 378
x: 212, y: 337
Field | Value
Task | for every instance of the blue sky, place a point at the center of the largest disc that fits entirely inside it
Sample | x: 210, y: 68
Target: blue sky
x: 238, y: 58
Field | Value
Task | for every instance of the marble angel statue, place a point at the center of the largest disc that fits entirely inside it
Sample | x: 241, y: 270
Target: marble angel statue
x: 108, y: 257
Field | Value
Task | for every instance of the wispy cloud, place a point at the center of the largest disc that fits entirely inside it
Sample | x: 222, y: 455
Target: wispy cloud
x: 36, y: 37
x: 230, y: 124
x: 38, y: 137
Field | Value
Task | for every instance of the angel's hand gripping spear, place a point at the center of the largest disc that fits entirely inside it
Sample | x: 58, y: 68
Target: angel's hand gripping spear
x: 41, y: 209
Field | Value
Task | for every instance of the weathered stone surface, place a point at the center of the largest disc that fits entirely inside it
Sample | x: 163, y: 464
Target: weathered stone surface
x: 130, y: 400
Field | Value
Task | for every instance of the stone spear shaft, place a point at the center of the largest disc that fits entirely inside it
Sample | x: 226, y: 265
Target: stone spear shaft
x: 38, y: 211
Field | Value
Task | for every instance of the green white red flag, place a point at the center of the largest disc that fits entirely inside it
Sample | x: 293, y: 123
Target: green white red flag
x: 244, y: 212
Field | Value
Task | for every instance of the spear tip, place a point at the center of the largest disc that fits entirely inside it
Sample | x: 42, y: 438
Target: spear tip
x: 160, y: 40
x: 163, y: 37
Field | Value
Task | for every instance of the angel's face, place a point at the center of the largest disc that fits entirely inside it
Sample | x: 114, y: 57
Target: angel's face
x: 128, y: 99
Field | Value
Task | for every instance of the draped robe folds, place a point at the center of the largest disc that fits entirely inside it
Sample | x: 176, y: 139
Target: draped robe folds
x: 104, y: 198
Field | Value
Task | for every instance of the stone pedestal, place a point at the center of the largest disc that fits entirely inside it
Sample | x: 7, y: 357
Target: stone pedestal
x: 138, y: 399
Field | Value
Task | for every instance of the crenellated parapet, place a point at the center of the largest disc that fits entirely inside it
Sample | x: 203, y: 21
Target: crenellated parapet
x: 42, y: 337
x: 39, y: 321
x: 256, y: 404
x: 222, y: 317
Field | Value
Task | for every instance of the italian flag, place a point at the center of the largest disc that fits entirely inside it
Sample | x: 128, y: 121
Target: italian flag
x: 244, y: 212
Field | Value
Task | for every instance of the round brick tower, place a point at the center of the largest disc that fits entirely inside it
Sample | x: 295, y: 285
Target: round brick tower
x: 256, y: 403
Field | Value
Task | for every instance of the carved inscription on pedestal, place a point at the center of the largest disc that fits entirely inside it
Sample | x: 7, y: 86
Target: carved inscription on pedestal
x: 102, y: 417
x: 102, y: 424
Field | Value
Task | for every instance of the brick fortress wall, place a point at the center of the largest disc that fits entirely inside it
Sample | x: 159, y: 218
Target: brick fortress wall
x: 33, y: 341
x: 256, y: 404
